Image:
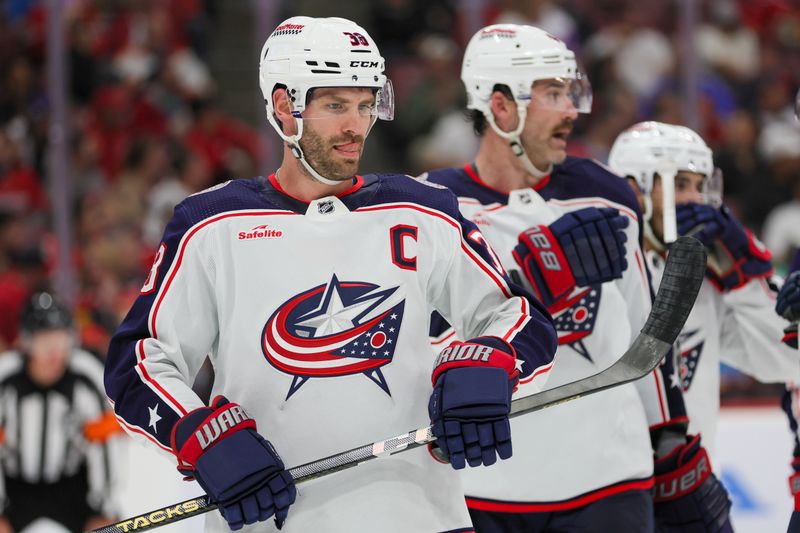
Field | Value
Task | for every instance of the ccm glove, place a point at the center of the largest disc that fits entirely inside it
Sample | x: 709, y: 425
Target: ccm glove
x: 735, y: 256
x: 584, y: 247
x: 688, y: 496
x: 472, y: 386
x: 239, y: 470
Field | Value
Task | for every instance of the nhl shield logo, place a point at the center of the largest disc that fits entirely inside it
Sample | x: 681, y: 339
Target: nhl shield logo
x: 325, y: 207
x: 336, y: 329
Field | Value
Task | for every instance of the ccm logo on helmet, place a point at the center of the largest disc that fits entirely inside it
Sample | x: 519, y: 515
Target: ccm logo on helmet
x: 367, y: 64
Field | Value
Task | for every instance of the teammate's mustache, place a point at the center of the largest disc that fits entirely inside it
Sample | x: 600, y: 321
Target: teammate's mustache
x: 565, y: 126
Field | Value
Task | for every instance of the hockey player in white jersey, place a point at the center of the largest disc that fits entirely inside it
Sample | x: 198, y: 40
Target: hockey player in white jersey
x: 733, y: 320
x: 588, y: 464
x: 311, y: 292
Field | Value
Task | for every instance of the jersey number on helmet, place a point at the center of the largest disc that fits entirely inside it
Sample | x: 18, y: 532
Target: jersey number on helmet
x: 356, y: 39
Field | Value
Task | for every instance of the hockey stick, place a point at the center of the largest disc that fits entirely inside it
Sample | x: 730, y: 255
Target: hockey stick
x: 683, y: 275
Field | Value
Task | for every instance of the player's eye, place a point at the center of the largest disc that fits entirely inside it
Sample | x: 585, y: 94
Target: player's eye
x: 336, y: 107
x: 366, y: 109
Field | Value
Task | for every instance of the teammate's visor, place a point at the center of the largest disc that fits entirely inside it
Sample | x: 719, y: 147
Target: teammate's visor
x: 712, y: 189
x: 563, y: 94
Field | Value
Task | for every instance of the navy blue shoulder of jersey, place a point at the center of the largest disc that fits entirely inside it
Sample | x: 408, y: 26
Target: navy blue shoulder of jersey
x: 462, y: 185
x: 235, y: 195
x: 401, y: 188
x: 580, y: 177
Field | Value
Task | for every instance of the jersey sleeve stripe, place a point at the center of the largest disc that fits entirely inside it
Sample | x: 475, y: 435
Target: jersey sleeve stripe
x: 136, y: 430
x: 153, y: 384
x: 660, y: 393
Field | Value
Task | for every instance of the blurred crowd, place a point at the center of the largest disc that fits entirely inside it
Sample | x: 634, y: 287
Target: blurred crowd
x: 147, y: 128
x: 144, y: 132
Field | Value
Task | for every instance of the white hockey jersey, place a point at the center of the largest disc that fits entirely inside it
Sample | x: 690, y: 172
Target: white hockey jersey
x: 738, y: 327
x: 599, y: 445
x: 315, y: 317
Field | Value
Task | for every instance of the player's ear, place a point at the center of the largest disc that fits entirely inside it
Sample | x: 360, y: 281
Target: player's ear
x: 283, y: 111
x: 504, y: 110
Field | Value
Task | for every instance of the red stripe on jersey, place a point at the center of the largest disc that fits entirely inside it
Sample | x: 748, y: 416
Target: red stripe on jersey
x: 444, y: 339
x: 548, y: 507
x: 359, y: 181
x: 162, y: 390
x: 544, y: 369
x: 474, y: 175
x: 660, y: 396
x: 134, y: 429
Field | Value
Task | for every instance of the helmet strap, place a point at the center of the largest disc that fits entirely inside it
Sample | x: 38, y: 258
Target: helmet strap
x: 515, y: 143
x: 649, y: 234
x: 294, y: 145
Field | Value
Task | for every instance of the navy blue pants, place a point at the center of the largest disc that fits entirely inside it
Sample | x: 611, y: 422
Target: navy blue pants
x: 628, y: 512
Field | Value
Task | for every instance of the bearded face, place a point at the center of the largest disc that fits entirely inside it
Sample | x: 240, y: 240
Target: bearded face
x: 336, y: 157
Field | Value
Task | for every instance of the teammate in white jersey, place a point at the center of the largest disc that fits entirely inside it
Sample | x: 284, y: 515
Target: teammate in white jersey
x: 311, y: 292
x: 733, y: 319
x: 571, y: 230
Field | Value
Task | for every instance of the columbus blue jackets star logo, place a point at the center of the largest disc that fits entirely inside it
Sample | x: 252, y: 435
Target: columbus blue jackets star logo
x: 691, y: 350
x: 574, y: 317
x: 336, y: 329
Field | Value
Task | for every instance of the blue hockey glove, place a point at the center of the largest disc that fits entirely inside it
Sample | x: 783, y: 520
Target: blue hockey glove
x: 735, y: 256
x: 788, y: 306
x: 472, y: 386
x: 239, y: 470
x: 788, y: 303
x: 688, y: 496
x: 584, y: 247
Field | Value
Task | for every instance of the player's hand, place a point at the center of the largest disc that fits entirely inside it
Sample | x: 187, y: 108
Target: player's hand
x: 788, y: 302
x: 5, y: 525
x: 472, y: 386
x: 734, y: 255
x: 584, y: 247
x: 688, y: 496
x: 239, y: 469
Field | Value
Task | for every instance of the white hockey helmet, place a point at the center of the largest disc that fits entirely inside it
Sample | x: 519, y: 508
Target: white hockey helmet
x: 640, y: 150
x: 516, y: 56
x: 303, y: 53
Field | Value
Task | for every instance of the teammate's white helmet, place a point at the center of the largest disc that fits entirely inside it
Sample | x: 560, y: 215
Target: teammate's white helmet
x: 639, y: 150
x: 516, y: 56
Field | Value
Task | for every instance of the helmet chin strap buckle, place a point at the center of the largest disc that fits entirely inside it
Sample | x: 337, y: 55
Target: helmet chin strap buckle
x: 296, y: 151
x: 516, y: 148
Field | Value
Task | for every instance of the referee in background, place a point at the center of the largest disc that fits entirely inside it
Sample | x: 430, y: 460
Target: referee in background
x: 57, y: 445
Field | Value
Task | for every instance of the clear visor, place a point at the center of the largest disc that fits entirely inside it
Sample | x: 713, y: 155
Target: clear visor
x: 331, y: 104
x: 712, y: 189
x: 563, y: 94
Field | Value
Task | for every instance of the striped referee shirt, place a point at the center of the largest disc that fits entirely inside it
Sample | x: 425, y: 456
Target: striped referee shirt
x: 47, y: 434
